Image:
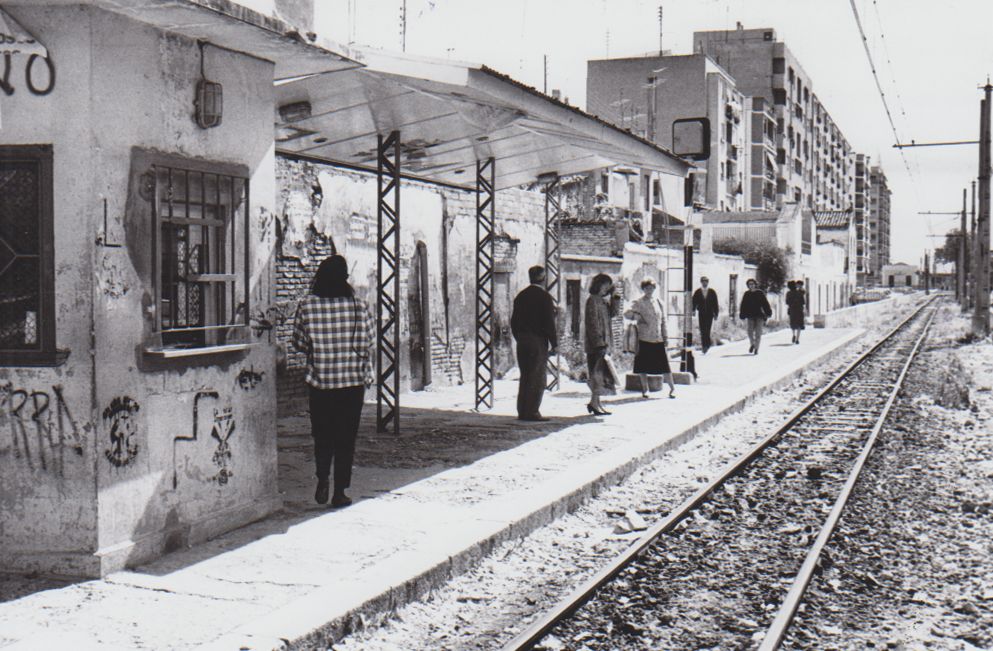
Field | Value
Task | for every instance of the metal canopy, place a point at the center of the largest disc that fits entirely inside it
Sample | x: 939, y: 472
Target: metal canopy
x: 234, y: 27
x: 452, y: 115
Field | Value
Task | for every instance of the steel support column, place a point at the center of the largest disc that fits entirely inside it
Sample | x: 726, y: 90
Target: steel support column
x: 388, y: 284
x: 485, y: 222
x: 553, y: 264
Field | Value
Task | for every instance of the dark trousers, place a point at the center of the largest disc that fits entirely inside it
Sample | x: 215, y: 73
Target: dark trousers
x: 705, y: 323
x: 334, y: 423
x: 532, y: 358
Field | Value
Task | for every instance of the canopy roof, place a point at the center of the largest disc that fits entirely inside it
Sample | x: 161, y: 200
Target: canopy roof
x: 235, y: 27
x: 450, y: 115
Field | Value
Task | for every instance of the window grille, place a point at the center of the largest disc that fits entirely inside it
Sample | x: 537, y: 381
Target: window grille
x: 201, y: 258
x: 27, y: 285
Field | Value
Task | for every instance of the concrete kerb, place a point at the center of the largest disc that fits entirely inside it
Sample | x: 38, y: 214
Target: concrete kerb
x: 377, y: 608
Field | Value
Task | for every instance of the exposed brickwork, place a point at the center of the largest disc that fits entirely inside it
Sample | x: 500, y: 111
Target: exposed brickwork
x: 590, y: 238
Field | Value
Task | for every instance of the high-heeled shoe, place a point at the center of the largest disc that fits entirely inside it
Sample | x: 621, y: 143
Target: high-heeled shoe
x: 597, y: 412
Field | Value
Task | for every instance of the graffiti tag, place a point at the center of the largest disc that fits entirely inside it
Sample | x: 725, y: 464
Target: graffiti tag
x: 8, y: 88
x: 249, y: 378
x: 41, y: 428
x: 221, y: 431
x: 122, y: 415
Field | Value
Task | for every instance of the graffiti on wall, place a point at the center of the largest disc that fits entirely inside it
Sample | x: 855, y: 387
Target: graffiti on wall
x: 221, y: 432
x: 222, y: 428
x: 249, y: 378
x: 201, y: 395
x: 122, y: 414
x: 40, y: 428
x: 29, y: 74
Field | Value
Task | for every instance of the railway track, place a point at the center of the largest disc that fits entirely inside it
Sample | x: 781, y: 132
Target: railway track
x: 721, y: 570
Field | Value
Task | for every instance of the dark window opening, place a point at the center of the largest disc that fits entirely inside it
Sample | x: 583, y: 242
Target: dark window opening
x: 27, y: 279
x: 200, y: 262
x: 778, y: 65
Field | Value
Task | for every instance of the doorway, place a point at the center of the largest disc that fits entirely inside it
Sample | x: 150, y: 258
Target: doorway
x: 419, y: 309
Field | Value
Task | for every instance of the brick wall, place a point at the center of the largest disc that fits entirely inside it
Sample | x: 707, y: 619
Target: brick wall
x: 591, y: 238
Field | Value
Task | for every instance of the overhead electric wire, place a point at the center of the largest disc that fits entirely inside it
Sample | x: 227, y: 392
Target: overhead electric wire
x: 882, y: 96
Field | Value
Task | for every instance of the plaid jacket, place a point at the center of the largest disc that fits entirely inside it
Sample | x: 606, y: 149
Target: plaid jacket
x: 336, y: 334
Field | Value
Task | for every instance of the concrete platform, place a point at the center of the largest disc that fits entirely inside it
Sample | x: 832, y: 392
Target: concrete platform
x: 428, y: 503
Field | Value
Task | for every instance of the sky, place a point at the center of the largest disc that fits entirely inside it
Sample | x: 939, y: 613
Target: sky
x: 931, y: 57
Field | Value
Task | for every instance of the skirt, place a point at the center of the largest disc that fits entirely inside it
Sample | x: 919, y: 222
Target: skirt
x: 599, y: 375
x: 796, y: 320
x: 651, y: 358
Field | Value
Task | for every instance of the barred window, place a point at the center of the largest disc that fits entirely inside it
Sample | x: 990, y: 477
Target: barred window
x: 201, y: 260
x: 27, y: 280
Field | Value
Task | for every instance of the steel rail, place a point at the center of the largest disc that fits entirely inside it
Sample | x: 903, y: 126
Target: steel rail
x: 787, y: 611
x: 572, y: 602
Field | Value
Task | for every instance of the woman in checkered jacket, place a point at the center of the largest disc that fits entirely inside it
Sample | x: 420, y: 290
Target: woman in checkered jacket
x: 335, y: 331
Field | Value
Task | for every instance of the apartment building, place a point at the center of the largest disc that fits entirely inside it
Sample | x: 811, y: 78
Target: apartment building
x: 814, y: 160
x: 863, y: 227
x: 879, y: 222
x: 648, y: 94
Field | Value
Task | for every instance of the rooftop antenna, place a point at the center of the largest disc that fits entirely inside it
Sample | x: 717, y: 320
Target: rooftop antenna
x: 403, y: 26
x: 660, y: 30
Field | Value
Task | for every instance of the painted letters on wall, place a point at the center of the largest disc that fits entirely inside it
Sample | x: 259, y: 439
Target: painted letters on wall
x: 38, y: 428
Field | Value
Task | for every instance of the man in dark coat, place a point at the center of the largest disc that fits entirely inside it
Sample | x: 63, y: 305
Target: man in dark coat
x: 533, y: 326
x: 754, y: 311
x: 706, y: 306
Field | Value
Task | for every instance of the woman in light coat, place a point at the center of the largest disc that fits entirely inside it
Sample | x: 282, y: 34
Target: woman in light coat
x: 649, y: 316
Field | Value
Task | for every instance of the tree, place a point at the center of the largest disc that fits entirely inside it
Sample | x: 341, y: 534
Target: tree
x: 949, y: 251
x: 771, y: 261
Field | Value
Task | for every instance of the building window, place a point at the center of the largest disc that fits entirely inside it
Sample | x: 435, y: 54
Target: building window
x: 27, y: 279
x: 200, y: 249
x: 779, y: 96
x: 778, y: 66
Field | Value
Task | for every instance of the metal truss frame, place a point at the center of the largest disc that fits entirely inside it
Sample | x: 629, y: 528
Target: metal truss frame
x: 553, y: 263
x: 485, y: 223
x: 388, y: 284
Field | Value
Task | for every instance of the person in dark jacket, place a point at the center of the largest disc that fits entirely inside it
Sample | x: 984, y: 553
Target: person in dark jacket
x: 597, y: 323
x: 533, y: 326
x: 707, y: 308
x: 796, y: 300
x: 754, y: 311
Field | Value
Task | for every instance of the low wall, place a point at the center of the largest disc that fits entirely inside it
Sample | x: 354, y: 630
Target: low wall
x: 864, y: 313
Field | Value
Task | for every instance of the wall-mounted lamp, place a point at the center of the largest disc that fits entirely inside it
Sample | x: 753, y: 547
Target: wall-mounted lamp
x: 209, y: 102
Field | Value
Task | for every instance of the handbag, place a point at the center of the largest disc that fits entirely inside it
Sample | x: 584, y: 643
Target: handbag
x: 631, y: 339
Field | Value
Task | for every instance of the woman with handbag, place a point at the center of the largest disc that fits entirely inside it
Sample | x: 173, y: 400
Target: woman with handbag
x: 335, y: 331
x: 597, y: 321
x: 651, y: 356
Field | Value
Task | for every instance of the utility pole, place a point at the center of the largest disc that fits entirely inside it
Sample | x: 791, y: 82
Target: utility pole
x: 960, y: 262
x: 970, y: 254
x: 545, y: 89
x: 650, y: 130
x: 927, y: 276
x: 403, y: 26
x: 981, y: 315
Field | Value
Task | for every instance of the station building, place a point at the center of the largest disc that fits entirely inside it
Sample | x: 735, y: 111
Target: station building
x: 171, y: 172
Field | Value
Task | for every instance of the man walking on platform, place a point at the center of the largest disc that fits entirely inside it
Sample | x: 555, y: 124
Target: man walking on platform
x: 706, y: 306
x: 533, y: 326
x: 754, y: 311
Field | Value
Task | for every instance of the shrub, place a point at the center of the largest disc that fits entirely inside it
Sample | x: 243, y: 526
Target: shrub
x: 771, y: 261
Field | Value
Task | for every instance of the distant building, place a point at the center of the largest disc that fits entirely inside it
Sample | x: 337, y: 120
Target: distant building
x: 863, y: 185
x: 815, y: 161
x: 900, y: 275
x: 647, y: 94
x: 879, y: 222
